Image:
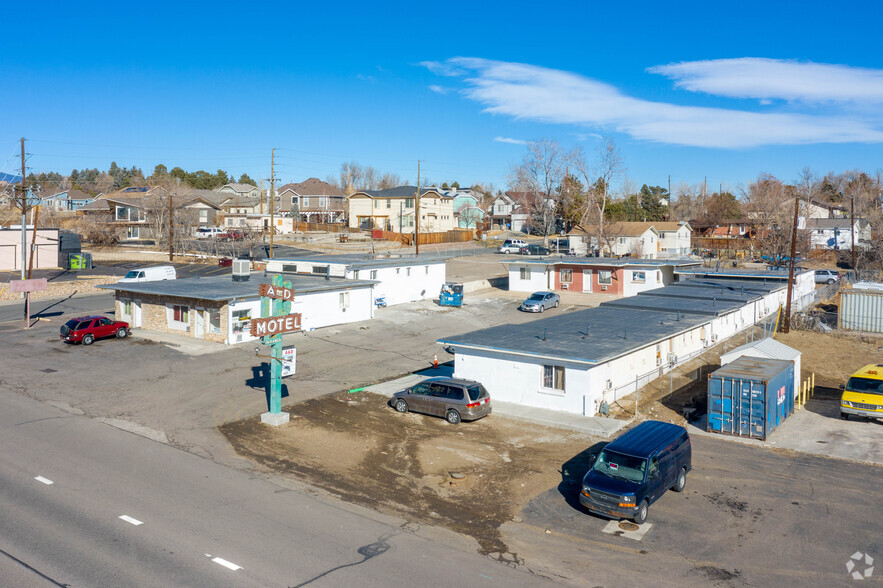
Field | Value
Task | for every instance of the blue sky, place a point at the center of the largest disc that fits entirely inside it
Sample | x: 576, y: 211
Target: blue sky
x: 690, y: 90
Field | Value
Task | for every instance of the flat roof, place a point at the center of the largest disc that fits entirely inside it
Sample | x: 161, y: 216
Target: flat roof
x: 708, y: 306
x: 732, y: 286
x: 584, y: 336
x: 364, y: 261
x: 221, y: 288
x: 702, y: 293
x: 611, y: 261
x: 744, y: 274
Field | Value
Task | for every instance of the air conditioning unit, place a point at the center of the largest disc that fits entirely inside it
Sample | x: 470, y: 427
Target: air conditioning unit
x: 672, y: 359
x: 658, y: 360
x: 714, y: 337
x: 564, y: 286
x: 609, y: 385
x: 603, y: 287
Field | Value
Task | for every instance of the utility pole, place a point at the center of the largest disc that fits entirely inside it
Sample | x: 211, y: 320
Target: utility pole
x: 23, y: 204
x: 272, y: 198
x: 669, y: 197
x: 786, y: 325
x: 852, y: 233
x: 171, y: 229
x: 417, y: 214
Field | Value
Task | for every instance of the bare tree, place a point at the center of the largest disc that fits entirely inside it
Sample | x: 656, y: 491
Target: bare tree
x: 597, y: 176
x: 766, y: 204
x: 539, y: 174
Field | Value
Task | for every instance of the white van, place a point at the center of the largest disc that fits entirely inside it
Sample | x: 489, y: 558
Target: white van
x: 209, y: 232
x: 151, y: 274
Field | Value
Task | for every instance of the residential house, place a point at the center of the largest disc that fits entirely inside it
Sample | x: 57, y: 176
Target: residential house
x: 573, y: 362
x: 66, y: 200
x: 815, y: 208
x: 467, y: 212
x: 632, y: 239
x: 220, y: 309
x: 394, y: 210
x: 619, y: 277
x: 837, y: 233
x: 129, y: 210
x: 244, y: 190
x: 398, y: 279
x: 501, y: 212
x: 674, y: 238
x: 314, y: 200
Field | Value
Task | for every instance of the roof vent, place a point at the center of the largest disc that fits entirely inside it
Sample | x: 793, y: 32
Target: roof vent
x: 241, y: 270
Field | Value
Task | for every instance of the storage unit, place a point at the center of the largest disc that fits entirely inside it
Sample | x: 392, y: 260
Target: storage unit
x: 861, y: 308
x: 750, y: 397
x: 770, y: 349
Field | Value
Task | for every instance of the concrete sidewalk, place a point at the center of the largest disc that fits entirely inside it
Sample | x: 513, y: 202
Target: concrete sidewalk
x: 594, y: 426
x: 183, y: 343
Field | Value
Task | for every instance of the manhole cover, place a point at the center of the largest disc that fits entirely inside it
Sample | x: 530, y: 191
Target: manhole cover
x: 627, y: 526
x: 457, y: 476
x: 49, y: 371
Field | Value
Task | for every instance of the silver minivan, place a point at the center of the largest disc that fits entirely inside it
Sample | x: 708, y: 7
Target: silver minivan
x: 454, y: 399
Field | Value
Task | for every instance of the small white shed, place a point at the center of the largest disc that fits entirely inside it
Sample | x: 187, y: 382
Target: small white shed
x: 770, y: 349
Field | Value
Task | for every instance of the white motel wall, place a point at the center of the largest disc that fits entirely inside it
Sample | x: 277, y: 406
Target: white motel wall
x: 317, y: 309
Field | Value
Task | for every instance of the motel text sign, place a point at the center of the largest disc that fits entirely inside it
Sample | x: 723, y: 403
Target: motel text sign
x: 277, y: 292
x: 274, y: 325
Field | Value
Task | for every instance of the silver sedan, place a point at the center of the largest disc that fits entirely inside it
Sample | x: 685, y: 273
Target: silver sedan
x: 540, y: 301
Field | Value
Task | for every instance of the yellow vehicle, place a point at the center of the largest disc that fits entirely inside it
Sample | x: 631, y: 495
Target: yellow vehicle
x: 863, y: 393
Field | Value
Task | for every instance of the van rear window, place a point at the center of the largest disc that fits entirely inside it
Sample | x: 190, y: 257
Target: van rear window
x: 476, y: 392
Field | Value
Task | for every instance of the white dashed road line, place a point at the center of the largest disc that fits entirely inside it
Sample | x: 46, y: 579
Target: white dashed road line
x: 46, y: 481
x: 129, y: 519
x: 227, y: 564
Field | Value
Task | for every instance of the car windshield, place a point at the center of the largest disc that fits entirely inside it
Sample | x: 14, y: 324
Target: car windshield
x: 536, y: 297
x: 866, y: 385
x: 618, y: 465
x: 476, y: 392
x: 132, y: 274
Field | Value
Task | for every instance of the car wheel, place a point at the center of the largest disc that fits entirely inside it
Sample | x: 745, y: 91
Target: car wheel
x: 452, y: 417
x: 401, y: 405
x: 506, y: 252
x: 88, y: 339
x: 681, y: 482
x: 556, y: 304
x: 830, y: 281
x: 641, y: 516
x: 844, y: 416
x: 121, y: 333
x: 542, y: 308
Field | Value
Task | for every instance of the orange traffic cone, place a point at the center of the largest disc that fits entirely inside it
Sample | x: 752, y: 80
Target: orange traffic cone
x: 435, y: 361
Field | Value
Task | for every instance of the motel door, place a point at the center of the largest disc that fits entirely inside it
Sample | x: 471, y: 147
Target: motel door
x: 199, y: 323
x: 136, y: 313
x: 587, y: 280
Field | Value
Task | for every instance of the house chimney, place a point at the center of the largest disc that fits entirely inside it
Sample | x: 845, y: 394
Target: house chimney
x: 241, y: 270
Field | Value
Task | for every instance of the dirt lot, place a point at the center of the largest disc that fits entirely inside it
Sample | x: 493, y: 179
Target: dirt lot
x: 356, y: 447
x: 84, y: 285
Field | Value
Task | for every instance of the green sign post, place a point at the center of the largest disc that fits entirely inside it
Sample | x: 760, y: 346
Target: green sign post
x: 275, y: 304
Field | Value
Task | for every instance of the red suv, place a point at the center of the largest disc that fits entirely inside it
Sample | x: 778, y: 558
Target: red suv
x: 88, y: 328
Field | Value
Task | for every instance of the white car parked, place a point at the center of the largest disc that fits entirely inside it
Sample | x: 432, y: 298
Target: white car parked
x: 209, y: 232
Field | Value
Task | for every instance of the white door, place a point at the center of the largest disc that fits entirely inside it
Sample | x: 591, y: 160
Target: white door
x: 199, y: 323
x: 136, y: 313
x: 587, y: 280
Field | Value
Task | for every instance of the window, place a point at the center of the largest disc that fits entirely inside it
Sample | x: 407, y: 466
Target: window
x: 377, y: 204
x: 553, y: 377
x: 214, y: 321
x: 320, y: 270
x: 241, y: 320
x: 294, y: 200
x: 566, y: 275
x: 356, y: 275
x: 373, y: 274
x: 344, y: 299
x: 133, y: 232
x: 388, y: 203
x: 126, y: 308
x: 622, y: 240
x: 639, y: 277
x: 203, y: 216
x: 409, y: 203
x: 605, y: 277
x: 524, y: 272
x: 181, y: 314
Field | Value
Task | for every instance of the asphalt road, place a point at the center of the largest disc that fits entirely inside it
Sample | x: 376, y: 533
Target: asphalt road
x: 86, y: 504
x: 55, y: 308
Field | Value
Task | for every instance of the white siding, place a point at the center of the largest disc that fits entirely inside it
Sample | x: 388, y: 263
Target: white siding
x: 652, y: 279
x: 406, y: 284
x: 536, y: 280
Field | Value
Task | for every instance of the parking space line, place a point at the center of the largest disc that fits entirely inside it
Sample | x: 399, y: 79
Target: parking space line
x: 129, y: 519
x: 46, y: 481
x: 226, y: 564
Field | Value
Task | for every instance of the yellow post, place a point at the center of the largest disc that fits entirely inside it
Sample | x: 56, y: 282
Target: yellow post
x: 813, y: 393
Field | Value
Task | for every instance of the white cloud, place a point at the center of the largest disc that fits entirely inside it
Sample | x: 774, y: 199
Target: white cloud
x: 530, y: 92
x: 770, y: 79
x: 440, y: 89
x: 509, y: 140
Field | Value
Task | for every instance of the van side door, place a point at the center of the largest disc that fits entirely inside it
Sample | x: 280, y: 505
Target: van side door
x: 418, y: 398
x: 655, y: 479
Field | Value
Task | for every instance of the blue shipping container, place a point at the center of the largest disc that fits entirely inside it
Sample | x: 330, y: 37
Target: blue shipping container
x: 750, y: 396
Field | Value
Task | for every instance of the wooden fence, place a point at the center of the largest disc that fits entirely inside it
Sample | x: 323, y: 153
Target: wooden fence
x: 455, y: 236
x: 327, y: 227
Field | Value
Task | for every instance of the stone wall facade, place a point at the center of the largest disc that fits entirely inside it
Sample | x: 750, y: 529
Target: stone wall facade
x: 154, y: 314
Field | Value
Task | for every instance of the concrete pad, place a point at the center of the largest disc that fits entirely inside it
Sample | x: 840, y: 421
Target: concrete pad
x: 274, y: 418
x: 594, y: 426
x: 183, y: 343
x: 626, y: 529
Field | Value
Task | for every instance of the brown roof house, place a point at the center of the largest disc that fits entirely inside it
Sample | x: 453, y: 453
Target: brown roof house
x: 314, y: 200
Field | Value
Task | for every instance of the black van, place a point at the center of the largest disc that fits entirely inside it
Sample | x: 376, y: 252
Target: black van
x: 635, y: 469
